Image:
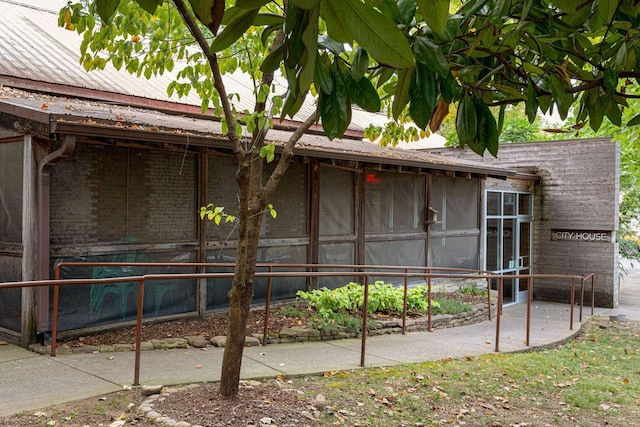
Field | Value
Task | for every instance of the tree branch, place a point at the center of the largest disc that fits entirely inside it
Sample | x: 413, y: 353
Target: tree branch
x: 218, y: 84
x: 287, y: 155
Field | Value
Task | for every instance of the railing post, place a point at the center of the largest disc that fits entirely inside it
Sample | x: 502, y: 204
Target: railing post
x: 365, y: 310
x: 429, y: 300
x: 54, y: 313
x: 593, y: 292
x: 136, y: 375
x: 572, y: 300
x: 267, y: 308
x: 499, y: 313
x: 529, y: 293
x: 489, y: 296
x: 581, y: 297
x: 404, y: 301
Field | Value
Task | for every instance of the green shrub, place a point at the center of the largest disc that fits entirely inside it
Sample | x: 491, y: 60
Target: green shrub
x: 450, y: 307
x: 472, y: 290
x: 383, y: 298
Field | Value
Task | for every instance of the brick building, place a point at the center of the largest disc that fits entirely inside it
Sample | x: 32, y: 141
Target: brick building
x: 99, y: 167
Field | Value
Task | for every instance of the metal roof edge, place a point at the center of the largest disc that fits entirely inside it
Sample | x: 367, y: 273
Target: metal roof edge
x: 168, y: 107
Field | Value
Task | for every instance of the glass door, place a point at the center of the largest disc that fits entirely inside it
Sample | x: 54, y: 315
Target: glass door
x: 508, y: 241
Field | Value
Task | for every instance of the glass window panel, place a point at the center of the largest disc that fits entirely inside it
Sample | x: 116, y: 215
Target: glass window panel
x: 525, y: 244
x: 493, y: 232
x: 508, y: 244
x: 454, y: 252
x: 494, y: 203
x: 336, y: 202
x: 11, y: 155
x: 509, y: 203
x: 524, y: 204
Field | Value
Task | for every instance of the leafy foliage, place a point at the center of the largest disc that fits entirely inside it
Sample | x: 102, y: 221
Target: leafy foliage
x: 407, y: 56
x: 383, y: 297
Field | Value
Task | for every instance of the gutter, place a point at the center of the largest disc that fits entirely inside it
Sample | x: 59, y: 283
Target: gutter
x: 44, y: 186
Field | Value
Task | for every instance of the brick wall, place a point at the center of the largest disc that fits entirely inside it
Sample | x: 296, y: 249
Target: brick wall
x: 104, y: 194
x: 578, y: 191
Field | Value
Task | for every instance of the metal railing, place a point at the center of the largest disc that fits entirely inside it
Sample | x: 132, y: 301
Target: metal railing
x: 423, y: 273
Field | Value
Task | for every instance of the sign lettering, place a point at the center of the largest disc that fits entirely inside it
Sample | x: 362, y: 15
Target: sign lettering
x: 581, y: 235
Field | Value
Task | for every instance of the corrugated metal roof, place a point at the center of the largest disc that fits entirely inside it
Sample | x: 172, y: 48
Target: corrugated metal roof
x: 60, y: 115
x: 34, y: 48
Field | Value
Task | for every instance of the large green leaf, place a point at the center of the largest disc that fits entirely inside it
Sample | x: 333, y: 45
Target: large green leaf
x: 323, y: 78
x: 273, y: 60
x: 337, y: 27
x: 634, y: 121
x: 423, y: 94
x: 149, y: 5
x: 487, y: 135
x: 531, y: 107
x: 306, y: 4
x: 466, y: 120
x: 401, y: 96
x: 203, y: 10
x: 310, y: 42
x: 371, y: 29
x: 359, y: 64
x: 234, y: 31
x: 335, y: 110
x: 364, y: 94
x: 607, y: 9
x: 429, y: 54
x: 251, y: 4
x: 106, y: 9
x: 435, y: 13
x: 401, y: 12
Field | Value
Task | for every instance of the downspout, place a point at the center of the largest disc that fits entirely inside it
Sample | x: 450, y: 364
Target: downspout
x: 44, y: 186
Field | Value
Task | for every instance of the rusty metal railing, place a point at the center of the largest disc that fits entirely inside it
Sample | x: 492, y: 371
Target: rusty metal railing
x: 425, y: 273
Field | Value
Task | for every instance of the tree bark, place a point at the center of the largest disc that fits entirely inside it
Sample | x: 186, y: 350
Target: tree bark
x: 251, y: 206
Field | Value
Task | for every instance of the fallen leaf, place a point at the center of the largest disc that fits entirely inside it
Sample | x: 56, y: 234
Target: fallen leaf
x: 44, y: 107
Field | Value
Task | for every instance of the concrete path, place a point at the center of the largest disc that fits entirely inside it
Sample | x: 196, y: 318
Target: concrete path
x: 30, y: 381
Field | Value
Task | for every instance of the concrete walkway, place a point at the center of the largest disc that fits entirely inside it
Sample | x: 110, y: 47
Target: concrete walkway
x: 30, y: 381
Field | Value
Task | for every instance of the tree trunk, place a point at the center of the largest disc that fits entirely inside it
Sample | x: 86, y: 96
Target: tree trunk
x: 251, y: 207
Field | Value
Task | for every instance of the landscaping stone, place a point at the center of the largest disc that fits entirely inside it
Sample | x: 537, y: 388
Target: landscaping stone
x: 219, y: 341
x: 197, y: 341
x: 297, y: 331
x: 148, y: 390
x: 167, y: 343
x: 122, y: 347
x: 87, y: 349
x: 251, y: 342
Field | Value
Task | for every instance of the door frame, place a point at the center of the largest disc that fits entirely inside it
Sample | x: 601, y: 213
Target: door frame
x: 515, y: 207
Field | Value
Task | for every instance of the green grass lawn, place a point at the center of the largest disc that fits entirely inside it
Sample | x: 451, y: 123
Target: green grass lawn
x: 593, y: 380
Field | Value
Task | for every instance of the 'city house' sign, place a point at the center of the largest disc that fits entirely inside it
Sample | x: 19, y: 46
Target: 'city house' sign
x: 581, y: 235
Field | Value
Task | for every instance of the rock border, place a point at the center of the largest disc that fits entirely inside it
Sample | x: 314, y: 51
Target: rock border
x: 478, y: 313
